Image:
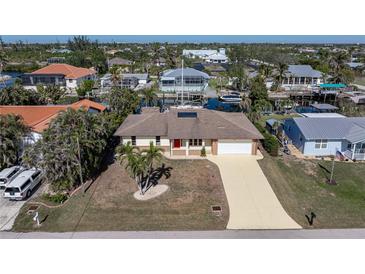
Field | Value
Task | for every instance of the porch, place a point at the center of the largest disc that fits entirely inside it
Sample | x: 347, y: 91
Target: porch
x: 192, y: 147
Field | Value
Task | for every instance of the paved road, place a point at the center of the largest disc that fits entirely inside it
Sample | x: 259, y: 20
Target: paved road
x: 8, y: 212
x: 221, y: 234
x: 252, y: 202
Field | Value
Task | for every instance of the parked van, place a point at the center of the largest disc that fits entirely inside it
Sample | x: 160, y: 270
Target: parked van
x: 8, y: 174
x: 22, y: 186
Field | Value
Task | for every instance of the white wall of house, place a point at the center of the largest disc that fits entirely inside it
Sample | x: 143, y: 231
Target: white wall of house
x: 74, y: 83
x: 145, y: 141
x: 234, y: 146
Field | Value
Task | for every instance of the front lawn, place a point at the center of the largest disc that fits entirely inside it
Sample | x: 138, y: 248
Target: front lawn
x: 301, y: 187
x: 194, y: 186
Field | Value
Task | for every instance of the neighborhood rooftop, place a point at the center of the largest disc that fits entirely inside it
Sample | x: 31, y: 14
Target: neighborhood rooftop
x: 70, y: 72
x: 303, y: 71
x: 346, y: 128
x: 324, y: 107
x: 186, y: 71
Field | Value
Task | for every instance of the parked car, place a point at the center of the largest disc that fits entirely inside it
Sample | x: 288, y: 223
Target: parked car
x: 8, y: 174
x: 22, y: 186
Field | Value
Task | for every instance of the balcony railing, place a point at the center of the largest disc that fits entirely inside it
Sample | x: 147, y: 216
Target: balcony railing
x: 357, y: 155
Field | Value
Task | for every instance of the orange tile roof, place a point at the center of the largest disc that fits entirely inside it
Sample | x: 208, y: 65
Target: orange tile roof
x: 69, y: 71
x: 39, y: 117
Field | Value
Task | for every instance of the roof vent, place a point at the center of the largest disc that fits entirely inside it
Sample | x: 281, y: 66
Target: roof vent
x: 187, y: 114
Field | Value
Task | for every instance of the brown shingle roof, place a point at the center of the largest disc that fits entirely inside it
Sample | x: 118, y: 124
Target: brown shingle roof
x: 208, y: 124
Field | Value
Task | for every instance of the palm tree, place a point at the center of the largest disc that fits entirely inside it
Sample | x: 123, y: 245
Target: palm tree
x: 116, y: 75
x: 245, y: 104
x: 152, y: 155
x: 12, y: 132
x: 280, y: 73
x: 265, y: 71
x: 149, y: 96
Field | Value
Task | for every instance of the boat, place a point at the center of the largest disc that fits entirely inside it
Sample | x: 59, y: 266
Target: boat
x: 230, y: 98
x: 6, y: 81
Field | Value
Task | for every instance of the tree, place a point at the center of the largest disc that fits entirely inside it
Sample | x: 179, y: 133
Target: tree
x: 123, y: 101
x: 50, y: 94
x: 237, y: 72
x: 280, y: 74
x: 245, y: 104
x: 18, y: 95
x: 140, y: 164
x: 149, y: 95
x: 12, y: 132
x: 70, y: 134
x: 85, y: 87
x: 265, y: 71
x: 258, y: 94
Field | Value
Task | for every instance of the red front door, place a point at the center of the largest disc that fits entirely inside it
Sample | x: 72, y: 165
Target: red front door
x: 177, y: 143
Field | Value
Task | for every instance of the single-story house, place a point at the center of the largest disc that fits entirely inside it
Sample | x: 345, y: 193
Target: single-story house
x: 325, y: 136
x: 194, y: 80
x: 217, y: 58
x: 38, y: 118
x: 185, y: 131
x: 63, y: 75
x: 301, y: 76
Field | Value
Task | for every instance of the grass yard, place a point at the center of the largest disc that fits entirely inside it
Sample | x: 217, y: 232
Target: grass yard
x: 360, y: 81
x: 194, y: 186
x: 300, y: 186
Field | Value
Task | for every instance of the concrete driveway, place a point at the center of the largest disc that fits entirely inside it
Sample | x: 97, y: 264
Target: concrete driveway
x: 252, y: 202
x: 8, y: 212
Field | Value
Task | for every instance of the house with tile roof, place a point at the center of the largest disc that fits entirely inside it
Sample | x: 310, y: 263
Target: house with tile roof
x: 38, y: 118
x: 63, y: 75
x: 185, y: 131
x: 328, y: 135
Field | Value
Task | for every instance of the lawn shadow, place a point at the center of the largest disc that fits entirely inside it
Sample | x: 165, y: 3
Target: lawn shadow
x: 324, y: 170
x: 155, y: 176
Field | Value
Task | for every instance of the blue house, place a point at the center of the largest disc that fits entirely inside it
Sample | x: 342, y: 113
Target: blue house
x: 325, y: 136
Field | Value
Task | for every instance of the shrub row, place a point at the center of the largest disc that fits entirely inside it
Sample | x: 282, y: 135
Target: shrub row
x: 270, y: 142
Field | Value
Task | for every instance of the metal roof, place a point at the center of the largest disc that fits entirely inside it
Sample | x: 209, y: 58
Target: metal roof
x: 324, y: 107
x: 329, y: 85
x: 187, y: 72
x: 346, y: 128
x: 303, y: 71
x: 139, y: 76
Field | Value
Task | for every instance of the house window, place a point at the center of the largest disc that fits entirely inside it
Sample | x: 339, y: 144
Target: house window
x: 321, y: 144
x: 133, y: 140
x: 158, y: 140
x: 195, y: 142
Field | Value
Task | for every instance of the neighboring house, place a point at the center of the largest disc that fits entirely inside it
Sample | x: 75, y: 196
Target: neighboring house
x: 119, y: 62
x: 358, y: 99
x: 209, y: 55
x: 301, y: 76
x: 194, y: 80
x: 134, y: 80
x: 160, y: 62
x: 355, y: 65
x: 217, y: 58
x: 184, y: 132
x: 325, y: 136
x: 38, y: 118
x: 63, y: 75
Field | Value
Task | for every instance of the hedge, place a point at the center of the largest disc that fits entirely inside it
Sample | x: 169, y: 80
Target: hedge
x: 270, y: 142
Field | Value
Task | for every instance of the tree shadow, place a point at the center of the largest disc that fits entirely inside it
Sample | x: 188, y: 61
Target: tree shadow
x: 155, y: 176
x: 325, y: 171
x: 310, y: 218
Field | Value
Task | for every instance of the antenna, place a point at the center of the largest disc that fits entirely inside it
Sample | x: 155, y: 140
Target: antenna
x: 182, y: 82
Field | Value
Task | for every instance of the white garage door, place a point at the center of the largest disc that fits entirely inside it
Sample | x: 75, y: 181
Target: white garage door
x: 234, y: 147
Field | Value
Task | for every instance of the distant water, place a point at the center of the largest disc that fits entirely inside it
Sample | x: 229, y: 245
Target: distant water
x: 10, y: 82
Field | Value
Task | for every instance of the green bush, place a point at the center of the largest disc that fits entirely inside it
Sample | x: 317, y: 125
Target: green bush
x: 270, y: 142
x: 203, y: 152
x: 58, y: 198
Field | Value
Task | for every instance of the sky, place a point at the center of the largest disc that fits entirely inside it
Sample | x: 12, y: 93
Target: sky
x: 302, y: 39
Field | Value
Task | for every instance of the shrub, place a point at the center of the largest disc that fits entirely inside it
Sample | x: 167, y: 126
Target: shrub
x: 203, y: 152
x: 270, y: 142
x: 58, y: 198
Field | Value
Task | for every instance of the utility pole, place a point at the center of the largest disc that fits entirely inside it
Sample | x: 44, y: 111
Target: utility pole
x: 80, y: 168
x: 332, y: 170
x: 182, y: 82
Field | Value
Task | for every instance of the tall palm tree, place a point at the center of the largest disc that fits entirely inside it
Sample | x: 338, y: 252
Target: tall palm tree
x: 115, y: 75
x: 245, y: 104
x: 280, y: 73
x: 149, y: 96
x: 12, y: 132
x: 265, y: 71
